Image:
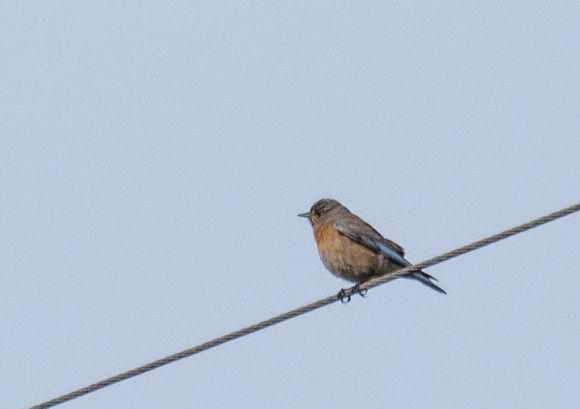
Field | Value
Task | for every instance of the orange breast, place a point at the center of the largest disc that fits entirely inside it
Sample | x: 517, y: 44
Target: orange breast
x: 344, y: 257
x: 326, y: 237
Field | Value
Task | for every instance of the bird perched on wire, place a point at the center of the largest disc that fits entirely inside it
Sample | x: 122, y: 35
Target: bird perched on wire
x: 352, y: 249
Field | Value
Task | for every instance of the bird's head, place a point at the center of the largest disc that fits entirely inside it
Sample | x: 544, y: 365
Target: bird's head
x: 323, y: 211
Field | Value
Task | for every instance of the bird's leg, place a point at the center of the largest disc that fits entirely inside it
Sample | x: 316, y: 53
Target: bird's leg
x: 356, y: 289
x: 343, y: 296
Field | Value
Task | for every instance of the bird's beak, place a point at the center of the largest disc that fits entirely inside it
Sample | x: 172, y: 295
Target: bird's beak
x: 303, y: 215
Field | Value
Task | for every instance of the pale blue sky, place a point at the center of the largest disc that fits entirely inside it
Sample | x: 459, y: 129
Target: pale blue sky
x: 154, y: 156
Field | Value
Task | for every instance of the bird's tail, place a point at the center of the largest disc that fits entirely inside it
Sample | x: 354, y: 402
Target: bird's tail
x: 425, y: 279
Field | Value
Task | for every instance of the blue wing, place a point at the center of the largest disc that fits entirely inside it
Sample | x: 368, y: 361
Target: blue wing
x: 362, y: 233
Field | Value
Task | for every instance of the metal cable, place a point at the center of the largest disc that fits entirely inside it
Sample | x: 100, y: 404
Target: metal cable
x: 307, y: 308
x: 470, y: 247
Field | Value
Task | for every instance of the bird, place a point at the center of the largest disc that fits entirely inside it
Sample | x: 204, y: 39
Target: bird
x: 352, y: 249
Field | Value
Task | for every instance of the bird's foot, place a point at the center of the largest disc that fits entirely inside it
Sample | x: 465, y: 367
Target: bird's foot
x: 356, y: 289
x: 344, y: 294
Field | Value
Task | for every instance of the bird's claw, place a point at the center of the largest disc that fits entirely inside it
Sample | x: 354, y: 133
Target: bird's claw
x: 356, y: 289
x: 344, y: 294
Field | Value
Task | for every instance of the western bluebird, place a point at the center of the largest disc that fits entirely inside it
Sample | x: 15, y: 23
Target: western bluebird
x: 350, y: 248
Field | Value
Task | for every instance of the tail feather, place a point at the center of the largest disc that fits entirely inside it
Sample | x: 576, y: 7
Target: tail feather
x: 425, y: 279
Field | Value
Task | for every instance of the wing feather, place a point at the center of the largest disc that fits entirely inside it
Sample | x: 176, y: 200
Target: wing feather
x: 362, y: 233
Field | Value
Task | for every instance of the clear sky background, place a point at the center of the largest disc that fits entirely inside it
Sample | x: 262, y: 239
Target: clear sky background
x: 154, y: 156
